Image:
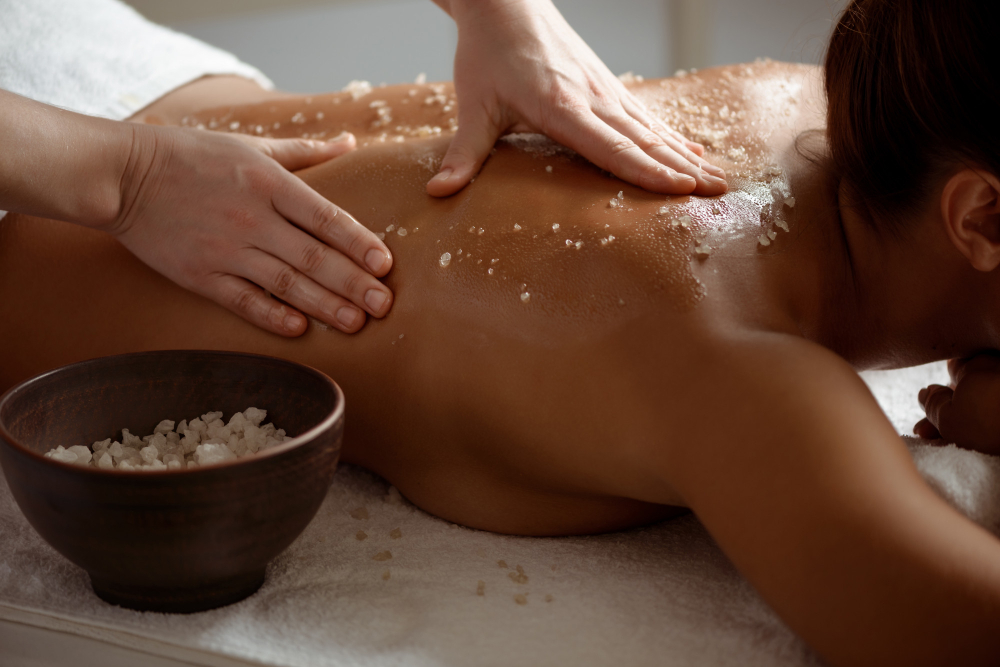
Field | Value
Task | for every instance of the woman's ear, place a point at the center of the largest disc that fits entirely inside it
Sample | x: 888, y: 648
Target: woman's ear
x: 970, y: 207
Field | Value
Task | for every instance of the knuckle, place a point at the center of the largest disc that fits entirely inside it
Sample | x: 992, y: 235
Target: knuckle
x: 566, y: 101
x: 324, y: 221
x: 246, y: 303
x: 353, y: 282
x: 357, y: 244
x: 284, y: 281
x: 242, y: 219
x: 620, y: 146
x: 314, y: 255
x: 266, y: 148
x: 650, y: 140
x: 260, y: 179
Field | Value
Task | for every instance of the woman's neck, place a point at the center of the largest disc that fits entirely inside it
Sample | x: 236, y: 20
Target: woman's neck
x: 895, y: 302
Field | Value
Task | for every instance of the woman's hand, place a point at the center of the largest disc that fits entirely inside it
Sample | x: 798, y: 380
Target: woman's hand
x: 520, y: 67
x: 222, y: 216
x: 968, y: 412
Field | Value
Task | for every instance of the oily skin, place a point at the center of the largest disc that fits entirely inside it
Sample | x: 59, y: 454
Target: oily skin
x: 637, y: 378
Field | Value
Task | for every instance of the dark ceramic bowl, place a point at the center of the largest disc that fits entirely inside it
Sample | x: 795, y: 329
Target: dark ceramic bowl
x: 172, y: 541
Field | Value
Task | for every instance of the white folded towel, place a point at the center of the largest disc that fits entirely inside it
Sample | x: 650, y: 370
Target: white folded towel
x: 100, y: 57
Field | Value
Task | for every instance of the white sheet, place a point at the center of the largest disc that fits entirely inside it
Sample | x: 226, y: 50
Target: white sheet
x: 654, y: 596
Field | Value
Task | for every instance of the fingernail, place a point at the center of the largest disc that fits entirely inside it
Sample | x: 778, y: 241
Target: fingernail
x: 375, y: 259
x: 713, y: 180
x: 712, y: 169
x: 348, y: 316
x: 293, y: 322
x: 375, y: 299
x: 343, y: 136
x: 443, y: 175
x: 685, y: 178
x: 922, y: 396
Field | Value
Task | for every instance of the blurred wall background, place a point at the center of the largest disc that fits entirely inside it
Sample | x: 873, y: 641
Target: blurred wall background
x: 320, y: 45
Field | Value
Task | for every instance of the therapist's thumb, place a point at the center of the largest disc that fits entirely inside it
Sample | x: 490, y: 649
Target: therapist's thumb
x: 473, y: 141
x: 293, y: 154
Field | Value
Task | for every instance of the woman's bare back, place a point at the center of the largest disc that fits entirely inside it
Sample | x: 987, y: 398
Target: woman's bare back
x: 543, y: 322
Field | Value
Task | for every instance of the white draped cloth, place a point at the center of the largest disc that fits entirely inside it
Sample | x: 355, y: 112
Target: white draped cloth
x: 100, y: 57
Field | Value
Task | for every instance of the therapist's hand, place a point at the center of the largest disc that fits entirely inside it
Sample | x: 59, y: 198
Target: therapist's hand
x: 222, y: 216
x: 520, y: 67
x: 218, y: 214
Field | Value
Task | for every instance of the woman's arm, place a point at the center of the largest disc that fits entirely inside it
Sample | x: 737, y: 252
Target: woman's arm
x: 520, y: 67
x: 810, y: 492
x: 211, y: 212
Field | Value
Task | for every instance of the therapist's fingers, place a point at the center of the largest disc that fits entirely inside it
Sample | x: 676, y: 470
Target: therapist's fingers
x: 294, y: 154
x: 299, y: 291
x: 308, y: 210
x: 611, y: 150
x: 251, y: 303
x: 329, y: 270
x: 656, y: 142
x: 671, y: 154
x: 477, y: 132
x: 690, y: 149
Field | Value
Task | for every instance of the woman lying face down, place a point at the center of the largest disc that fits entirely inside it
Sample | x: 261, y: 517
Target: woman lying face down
x: 568, y: 354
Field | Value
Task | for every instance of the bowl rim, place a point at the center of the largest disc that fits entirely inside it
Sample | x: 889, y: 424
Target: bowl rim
x: 336, y: 414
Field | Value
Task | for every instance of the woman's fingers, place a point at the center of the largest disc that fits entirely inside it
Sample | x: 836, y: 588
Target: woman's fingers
x: 965, y: 416
x: 937, y: 401
x: 925, y: 429
x: 294, y: 154
x: 306, y: 209
x: 987, y: 362
x: 249, y: 302
x: 477, y: 133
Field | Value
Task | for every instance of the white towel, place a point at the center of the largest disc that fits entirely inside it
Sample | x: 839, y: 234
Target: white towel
x: 659, y: 595
x: 100, y: 57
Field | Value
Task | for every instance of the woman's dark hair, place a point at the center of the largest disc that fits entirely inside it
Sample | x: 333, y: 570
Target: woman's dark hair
x: 913, y: 90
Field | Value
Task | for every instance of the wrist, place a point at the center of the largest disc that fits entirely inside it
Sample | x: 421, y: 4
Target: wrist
x: 58, y: 164
x: 465, y: 10
x: 130, y: 175
x: 113, y: 167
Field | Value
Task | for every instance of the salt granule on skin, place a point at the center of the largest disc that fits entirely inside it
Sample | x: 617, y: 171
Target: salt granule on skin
x: 200, y: 442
